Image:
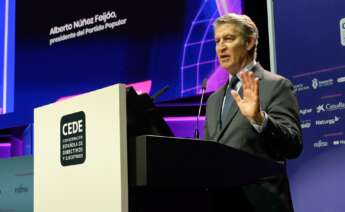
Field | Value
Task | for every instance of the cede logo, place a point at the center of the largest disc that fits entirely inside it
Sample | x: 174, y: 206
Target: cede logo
x: 72, y: 139
x: 342, y: 31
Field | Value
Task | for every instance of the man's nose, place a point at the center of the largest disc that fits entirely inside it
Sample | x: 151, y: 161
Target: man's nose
x: 221, y: 46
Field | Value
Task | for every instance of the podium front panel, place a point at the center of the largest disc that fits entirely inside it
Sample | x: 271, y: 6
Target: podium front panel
x: 80, y: 153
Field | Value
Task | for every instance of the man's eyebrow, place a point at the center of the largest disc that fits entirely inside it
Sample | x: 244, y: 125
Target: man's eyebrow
x: 229, y: 34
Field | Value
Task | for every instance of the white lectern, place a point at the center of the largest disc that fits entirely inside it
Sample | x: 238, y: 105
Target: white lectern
x: 80, y: 153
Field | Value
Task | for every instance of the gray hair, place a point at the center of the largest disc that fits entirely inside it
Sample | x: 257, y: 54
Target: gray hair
x: 245, y: 23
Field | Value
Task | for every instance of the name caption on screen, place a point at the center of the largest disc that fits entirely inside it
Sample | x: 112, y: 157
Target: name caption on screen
x: 84, y: 26
x: 83, y: 22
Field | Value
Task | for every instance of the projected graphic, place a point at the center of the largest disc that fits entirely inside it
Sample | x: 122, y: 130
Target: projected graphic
x: 178, y: 51
x: 2, y: 48
x: 6, y: 55
x: 199, y: 59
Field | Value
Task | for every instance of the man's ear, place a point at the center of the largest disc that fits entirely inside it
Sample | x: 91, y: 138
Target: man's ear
x: 250, y: 43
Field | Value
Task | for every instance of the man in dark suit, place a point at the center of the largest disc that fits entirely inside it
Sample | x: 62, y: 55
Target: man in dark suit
x: 256, y: 111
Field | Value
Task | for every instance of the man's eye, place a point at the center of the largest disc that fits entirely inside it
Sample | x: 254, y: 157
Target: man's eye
x: 229, y: 39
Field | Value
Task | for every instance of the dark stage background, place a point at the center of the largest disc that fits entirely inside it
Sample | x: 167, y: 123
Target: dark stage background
x: 169, y: 43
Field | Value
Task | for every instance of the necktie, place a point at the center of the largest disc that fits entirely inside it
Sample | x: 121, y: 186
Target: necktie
x: 228, y: 98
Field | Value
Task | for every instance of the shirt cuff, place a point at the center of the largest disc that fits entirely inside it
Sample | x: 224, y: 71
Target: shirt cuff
x: 259, y: 128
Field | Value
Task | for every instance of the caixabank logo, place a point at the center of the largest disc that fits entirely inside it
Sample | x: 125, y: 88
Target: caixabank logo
x: 342, y: 31
x: 72, y: 139
x: 330, y: 107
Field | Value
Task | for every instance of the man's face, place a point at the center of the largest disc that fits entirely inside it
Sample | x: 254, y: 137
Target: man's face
x: 231, y: 48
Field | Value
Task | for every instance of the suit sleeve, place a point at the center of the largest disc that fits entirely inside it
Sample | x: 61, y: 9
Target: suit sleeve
x: 206, y: 128
x: 206, y: 133
x: 282, y: 134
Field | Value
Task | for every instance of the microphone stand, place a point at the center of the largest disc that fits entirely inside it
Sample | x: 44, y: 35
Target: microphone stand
x: 203, y: 89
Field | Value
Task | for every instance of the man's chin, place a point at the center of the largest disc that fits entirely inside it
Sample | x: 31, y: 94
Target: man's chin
x: 226, y: 66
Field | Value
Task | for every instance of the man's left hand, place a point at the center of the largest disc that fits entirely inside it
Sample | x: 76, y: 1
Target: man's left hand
x: 249, y: 105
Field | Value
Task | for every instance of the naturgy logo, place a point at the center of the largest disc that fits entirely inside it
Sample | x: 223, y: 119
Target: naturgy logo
x: 342, y: 31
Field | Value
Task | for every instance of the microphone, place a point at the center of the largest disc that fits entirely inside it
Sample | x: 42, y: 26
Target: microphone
x: 203, y: 89
x: 160, y: 92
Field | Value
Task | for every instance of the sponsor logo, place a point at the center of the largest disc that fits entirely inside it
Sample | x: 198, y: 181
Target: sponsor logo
x: 315, y: 83
x: 305, y: 111
x: 330, y: 107
x: 72, y: 139
x: 320, y: 144
x: 328, y: 121
x: 320, y: 108
x: 306, y: 124
x: 341, y: 79
x: 338, y: 142
x: 21, y: 189
x: 301, y: 87
x: 342, y: 31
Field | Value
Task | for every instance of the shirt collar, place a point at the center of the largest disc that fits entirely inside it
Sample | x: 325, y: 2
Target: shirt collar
x: 248, y: 67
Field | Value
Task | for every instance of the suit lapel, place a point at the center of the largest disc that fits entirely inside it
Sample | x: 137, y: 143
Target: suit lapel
x: 257, y: 70
x: 231, y: 114
x: 219, y: 105
x: 215, y: 108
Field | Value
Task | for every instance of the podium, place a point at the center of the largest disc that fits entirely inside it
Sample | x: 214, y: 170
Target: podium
x: 85, y: 160
x: 167, y: 162
x: 80, y: 153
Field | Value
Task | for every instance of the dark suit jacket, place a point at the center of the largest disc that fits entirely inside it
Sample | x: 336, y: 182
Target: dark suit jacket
x: 281, y: 139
